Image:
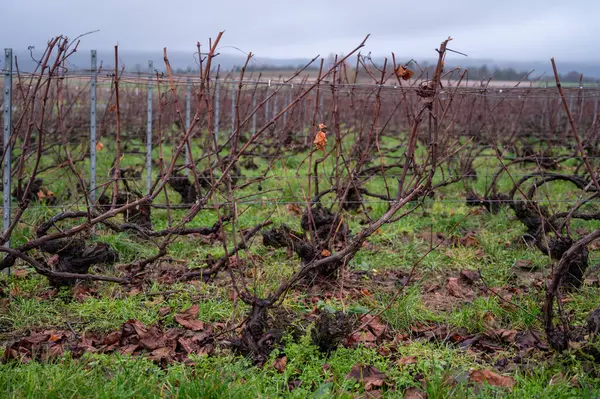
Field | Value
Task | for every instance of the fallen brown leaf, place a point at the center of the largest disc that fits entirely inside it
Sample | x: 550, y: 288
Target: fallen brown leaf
x: 112, y: 338
x: 294, y: 209
x: 469, y: 276
x: 492, y: 378
x: 161, y: 354
x: 469, y: 241
x: 128, y: 349
x: 162, y: 312
x: 280, y: 363
x: 189, y: 319
x: 405, y: 361
x: 414, y: 393
x: 20, y: 273
x: 530, y: 339
x: 508, y: 336
x: 369, y: 375
x: 152, y: 339
x: 524, y: 264
x: 456, y: 290
x: 375, y: 325
x: 36, y: 338
x: 54, y: 338
x: 55, y: 351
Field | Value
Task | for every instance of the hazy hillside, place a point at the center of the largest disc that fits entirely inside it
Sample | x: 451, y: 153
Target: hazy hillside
x: 138, y: 61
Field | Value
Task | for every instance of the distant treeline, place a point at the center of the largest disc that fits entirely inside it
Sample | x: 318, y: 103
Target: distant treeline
x: 511, y: 74
x: 257, y: 68
x: 483, y: 72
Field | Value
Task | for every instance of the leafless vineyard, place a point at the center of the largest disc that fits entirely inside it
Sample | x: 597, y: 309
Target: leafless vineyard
x: 150, y: 154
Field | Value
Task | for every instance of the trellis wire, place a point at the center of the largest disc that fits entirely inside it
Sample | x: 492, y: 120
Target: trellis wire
x: 272, y: 201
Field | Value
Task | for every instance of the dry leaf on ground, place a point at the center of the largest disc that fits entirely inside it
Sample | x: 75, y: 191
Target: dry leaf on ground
x: 280, y: 363
x: 492, y: 378
x: 369, y: 375
x: 189, y: 319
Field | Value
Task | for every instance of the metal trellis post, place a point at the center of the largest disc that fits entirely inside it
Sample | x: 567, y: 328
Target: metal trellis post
x: 188, y: 107
x: 149, y: 131
x: 233, y: 93
x: 274, y: 106
x: 93, y: 81
x: 254, y: 114
x: 321, y: 112
x: 267, y: 103
x: 217, y: 110
x: 545, y: 102
x: 303, y: 122
x: 6, y: 205
x: 287, y: 99
x: 567, y: 127
x: 582, y: 103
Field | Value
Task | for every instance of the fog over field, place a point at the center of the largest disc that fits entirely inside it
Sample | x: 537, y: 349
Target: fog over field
x: 523, y: 35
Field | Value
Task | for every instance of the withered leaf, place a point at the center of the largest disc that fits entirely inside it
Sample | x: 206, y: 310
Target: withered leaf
x: 189, y: 345
x: 280, y: 363
x: 36, y: 338
x: 161, y: 354
x: 320, y: 140
x: 369, y: 375
x: 364, y: 337
x: 456, y: 290
x: 404, y: 73
x: 530, y: 339
x: 294, y: 209
x: 508, y: 336
x: 20, y: 273
x: 189, y: 319
x: 112, y: 338
x: 375, y: 325
x: 469, y: 241
x: 492, y: 378
x: 405, y: 361
x: 524, y: 264
x: 152, y: 339
x: 414, y: 393
x: 54, y: 338
x: 128, y: 349
x: 55, y: 351
x: 162, y: 312
x: 469, y: 276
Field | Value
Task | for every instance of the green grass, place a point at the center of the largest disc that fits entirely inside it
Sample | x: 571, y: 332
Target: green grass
x: 395, y: 248
x: 315, y: 375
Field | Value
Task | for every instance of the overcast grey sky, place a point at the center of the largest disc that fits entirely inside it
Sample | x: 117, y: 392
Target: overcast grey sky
x: 502, y: 30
